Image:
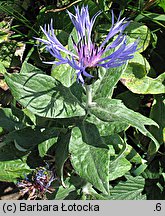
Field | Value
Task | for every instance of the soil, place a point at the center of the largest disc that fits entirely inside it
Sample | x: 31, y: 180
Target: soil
x: 9, y: 191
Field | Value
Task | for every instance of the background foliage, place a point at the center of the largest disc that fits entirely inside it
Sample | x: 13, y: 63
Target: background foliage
x: 117, y: 152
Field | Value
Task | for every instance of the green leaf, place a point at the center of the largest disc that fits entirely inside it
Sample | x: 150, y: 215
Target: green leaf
x: 139, y: 31
x: 73, y: 36
x: 30, y: 115
x: 132, y: 156
x: 129, y: 190
x: 153, y: 17
x: 145, y: 85
x: 8, y: 151
x: 119, y: 165
x: 121, y: 158
x: 71, y: 191
x: 157, y: 114
x: 62, y: 152
x: 29, y: 68
x: 140, y: 62
x: 44, y: 146
x: 61, y: 193
x: 111, y: 110
x: 130, y: 100
x: 101, y: 4
x: 90, y: 156
x: 122, y: 149
x: 108, y: 128
x: 26, y: 138
x: 9, y: 121
x: 7, y: 51
x: 19, y: 142
x: 64, y: 73
x: 154, y: 190
x: 119, y: 168
x: 4, y: 31
x: 2, y: 69
x: 139, y: 170
x: 136, y: 80
x: 156, y: 16
x: 162, y: 5
x: 12, y: 170
x: 108, y: 78
x: 116, y: 143
x: 43, y: 95
x: 68, y: 193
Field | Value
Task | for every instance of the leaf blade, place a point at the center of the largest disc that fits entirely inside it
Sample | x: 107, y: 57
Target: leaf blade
x: 114, y: 110
x: 91, y: 162
x: 43, y: 95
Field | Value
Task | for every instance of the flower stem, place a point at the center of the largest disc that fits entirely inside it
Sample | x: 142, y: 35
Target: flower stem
x: 89, y: 96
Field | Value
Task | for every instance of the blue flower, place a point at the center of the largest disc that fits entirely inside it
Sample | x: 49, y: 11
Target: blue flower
x: 88, y: 55
x: 37, y: 183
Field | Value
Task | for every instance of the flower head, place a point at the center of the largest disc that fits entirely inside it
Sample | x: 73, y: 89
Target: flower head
x: 37, y: 183
x: 89, y: 56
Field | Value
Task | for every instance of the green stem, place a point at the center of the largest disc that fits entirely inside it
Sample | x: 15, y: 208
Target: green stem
x: 88, y: 95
